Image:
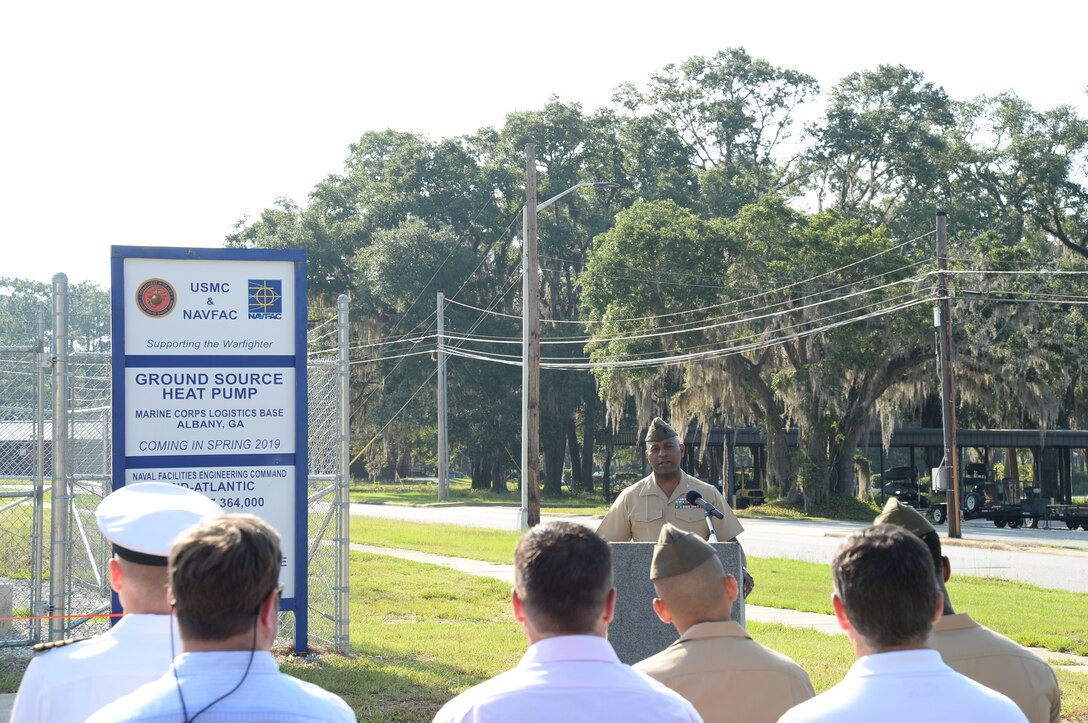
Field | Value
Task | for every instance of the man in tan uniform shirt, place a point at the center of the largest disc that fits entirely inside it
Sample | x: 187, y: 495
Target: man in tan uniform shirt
x: 725, y: 674
x: 974, y: 650
x: 642, y: 509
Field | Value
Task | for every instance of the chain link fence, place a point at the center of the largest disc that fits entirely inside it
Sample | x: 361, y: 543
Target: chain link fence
x: 33, y: 533
x: 328, y: 478
x: 24, y: 459
x: 87, y: 584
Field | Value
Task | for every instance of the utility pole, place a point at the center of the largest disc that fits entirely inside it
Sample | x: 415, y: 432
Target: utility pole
x: 530, y: 370
x: 948, y: 394
x: 443, y: 439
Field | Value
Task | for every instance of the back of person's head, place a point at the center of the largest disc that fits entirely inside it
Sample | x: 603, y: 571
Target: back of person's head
x: 884, y: 577
x: 688, y: 577
x: 146, y: 587
x: 220, y: 572
x: 902, y: 515
x: 563, y: 576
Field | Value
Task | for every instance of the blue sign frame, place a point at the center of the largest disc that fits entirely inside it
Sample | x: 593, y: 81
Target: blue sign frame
x: 298, y: 602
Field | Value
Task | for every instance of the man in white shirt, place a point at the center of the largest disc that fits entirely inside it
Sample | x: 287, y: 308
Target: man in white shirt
x: 224, y: 576
x: 974, y: 650
x: 886, y: 600
x: 141, y: 520
x: 564, y: 599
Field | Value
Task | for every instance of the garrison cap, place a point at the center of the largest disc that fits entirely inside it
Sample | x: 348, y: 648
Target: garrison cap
x: 901, y: 515
x: 659, y: 431
x: 677, y: 552
x: 142, y: 520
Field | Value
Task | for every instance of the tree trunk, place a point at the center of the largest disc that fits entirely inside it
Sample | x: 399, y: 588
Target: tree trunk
x: 1012, y: 465
x: 498, y: 478
x: 843, y: 477
x: 715, y: 466
x: 589, y: 423
x: 815, y: 468
x: 606, y: 469
x: 778, y: 461
x: 480, y: 479
x: 555, y: 448
x: 404, y: 464
x: 575, y: 453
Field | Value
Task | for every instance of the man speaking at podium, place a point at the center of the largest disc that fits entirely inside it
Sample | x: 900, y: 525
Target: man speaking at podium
x: 642, y: 509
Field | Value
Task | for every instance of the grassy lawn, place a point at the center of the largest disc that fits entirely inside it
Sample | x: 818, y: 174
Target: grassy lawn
x: 576, y: 502
x: 421, y: 634
x: 473, y: 543
x: 461, y: 493
x: 1033, y: 616
x: 1030, y: 615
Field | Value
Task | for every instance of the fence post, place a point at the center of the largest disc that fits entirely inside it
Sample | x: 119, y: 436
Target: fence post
x: 37, y: 576
x: 58, y: 538
x: 343, y: 569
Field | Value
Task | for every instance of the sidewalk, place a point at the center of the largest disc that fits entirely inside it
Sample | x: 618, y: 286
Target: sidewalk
x: 757, y: 613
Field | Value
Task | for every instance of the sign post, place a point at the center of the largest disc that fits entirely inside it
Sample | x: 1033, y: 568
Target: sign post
x: 209, y: 386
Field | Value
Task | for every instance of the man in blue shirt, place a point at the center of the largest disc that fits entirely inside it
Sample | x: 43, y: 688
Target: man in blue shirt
x: 224, y: 578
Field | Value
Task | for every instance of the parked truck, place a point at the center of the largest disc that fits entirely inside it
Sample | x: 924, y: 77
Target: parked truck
x: 1002, y: 502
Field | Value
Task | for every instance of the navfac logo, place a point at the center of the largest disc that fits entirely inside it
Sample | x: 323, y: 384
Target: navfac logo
x: 265, y: 299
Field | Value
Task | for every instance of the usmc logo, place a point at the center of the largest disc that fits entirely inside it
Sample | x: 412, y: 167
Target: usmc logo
x: 156, y: 298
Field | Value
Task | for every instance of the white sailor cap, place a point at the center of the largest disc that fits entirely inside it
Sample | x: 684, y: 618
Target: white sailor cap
x: 142, y: 520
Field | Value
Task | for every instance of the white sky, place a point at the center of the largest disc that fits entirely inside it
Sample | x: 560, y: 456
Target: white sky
x: 164, y: 123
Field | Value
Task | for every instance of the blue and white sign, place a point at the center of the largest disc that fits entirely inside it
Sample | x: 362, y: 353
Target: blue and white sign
x: 209, y: 379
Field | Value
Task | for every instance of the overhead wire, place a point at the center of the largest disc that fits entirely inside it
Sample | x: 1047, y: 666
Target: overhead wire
x: 685, y: 358
x: 433, y: 314
x: 511, y: 282
x: 491, y: 199
x: 782, y: 288
x: 743, y: 299
x: 729, y: 321
x: 785, y: 330
x: 426, y: 381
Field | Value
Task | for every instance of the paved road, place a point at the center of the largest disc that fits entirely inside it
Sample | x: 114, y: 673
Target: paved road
x: 1055, y: 558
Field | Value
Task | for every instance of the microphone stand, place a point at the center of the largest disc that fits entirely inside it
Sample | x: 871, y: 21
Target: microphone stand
x: 710, y: 526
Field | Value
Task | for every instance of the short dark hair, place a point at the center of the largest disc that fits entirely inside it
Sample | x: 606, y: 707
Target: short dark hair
x: 220, y: 572
x: 885, y: 579
x: 563, y: 574
x: 933, y: 543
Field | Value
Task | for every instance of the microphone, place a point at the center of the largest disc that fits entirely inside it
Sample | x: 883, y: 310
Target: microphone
x: 694, y: 498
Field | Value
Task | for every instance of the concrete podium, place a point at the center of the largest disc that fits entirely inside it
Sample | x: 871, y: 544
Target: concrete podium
x: 636, y: 632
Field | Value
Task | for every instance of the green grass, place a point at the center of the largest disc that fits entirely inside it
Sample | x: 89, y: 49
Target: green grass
x: 422, y: 634
x: 17, y: 523
x: 834, y: 508
x: 576, y: 502
x: 1032, y: 616
x: 461, y: 493
x: 824, y: 657
x: 470, y: 542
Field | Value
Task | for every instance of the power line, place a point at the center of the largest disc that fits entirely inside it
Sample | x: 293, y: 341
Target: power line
x: 730, y: 321
x: 673, y: 360
x: 742, y: 299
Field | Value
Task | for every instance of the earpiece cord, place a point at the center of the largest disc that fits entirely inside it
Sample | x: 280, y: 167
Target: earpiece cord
x: 249, y: 663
